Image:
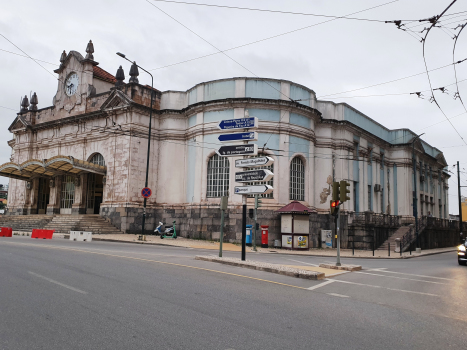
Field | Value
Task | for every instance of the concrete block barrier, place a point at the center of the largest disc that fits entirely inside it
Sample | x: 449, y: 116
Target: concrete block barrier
x: 44, y: 234
x: 6, y: 232
x: 80, y: 236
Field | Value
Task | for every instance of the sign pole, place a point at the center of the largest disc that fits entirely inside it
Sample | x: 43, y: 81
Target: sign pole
x: 256, y: 218
x: 222, y: 233
x: 244, y: 198
x: 338, y: 263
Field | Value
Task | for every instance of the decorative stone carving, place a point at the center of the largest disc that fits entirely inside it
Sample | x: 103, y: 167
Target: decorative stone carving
x: 28, y: 185
x: 24, y: 105
x: 104, y: 180
x: 90, y: 51
x: 120, y: 76
x: 326, y: 191
x: 63, y: 57
x: 77, y: 181
x: 51, y: 183
x: 134, y: 73
x: 34, y: 102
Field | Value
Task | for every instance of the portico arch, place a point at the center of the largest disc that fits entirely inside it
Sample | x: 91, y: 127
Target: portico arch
x: 95, y: 186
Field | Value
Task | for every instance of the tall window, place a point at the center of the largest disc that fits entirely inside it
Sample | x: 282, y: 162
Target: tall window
x: 270, y: 182
x: 369, y: 197
x: 297, y: 179
x: 68, y: 192
x: 218, y: 176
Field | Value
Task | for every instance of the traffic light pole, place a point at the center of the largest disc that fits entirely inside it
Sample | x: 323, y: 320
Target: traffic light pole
x: 338, y: 263
x: 256, y: 218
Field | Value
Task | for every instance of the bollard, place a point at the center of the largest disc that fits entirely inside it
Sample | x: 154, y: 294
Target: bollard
x: 389, y: 248
x: 353, y: 247
x: 373, y: 248
x: 400, y: 247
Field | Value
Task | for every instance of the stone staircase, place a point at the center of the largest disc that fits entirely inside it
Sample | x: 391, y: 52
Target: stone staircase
x: 60, y: 223
x: 25, y: 222
x: 398, y: 234
x: 90, y: 223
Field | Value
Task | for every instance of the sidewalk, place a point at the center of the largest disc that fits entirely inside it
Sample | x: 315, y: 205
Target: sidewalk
x: 201, y: 244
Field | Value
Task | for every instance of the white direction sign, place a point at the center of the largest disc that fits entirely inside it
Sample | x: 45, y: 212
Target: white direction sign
x: 253, y: 162
x: 256, y: 189
x: 254, y: 175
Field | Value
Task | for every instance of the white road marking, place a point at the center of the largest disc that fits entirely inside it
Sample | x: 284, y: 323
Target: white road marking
x: 410, y: 274
x: 320, y: 285
x: 338, y: 295
x: 394, y: 289
x: 301, y: 262
x: 401, y: 278
x: 58, y: 283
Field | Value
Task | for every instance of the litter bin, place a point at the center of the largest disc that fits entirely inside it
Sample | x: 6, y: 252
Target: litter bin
x: 264, y: 236
x: 249, y: 236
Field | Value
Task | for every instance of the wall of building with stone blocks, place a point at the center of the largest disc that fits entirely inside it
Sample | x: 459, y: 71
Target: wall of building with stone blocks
x: 204, y: 222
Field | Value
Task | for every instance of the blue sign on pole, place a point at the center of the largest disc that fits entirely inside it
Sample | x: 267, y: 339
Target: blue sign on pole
x: 241, y: 136
x: 240, y: 123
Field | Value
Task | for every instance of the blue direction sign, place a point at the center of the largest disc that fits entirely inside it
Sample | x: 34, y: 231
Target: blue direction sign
x: 240, y: 123
x: 241, y: 136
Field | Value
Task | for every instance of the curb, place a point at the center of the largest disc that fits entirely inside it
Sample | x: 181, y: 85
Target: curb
x: 291, y: 272
x: 342, y: 267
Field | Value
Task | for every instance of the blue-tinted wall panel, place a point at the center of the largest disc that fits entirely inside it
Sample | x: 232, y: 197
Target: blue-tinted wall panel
x: 299, y: 93
x: 193, y: 96
x: 271, y: 115
x: 262, y: 89
x: 299, y: 145
x: 192, y: 121
x: 219, y: 90
x: 272, y: 141
x: 300, y: 120
x: 217, y: 116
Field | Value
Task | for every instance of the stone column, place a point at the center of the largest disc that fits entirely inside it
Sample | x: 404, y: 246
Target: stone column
x: 31, y: 207
x: 79, y: 204
x: 54, y: 199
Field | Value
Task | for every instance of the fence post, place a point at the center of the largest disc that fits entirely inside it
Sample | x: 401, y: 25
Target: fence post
x: 353, y: 247
x: 389, y: 248
x: 400, y: 247
x: 373, y: 243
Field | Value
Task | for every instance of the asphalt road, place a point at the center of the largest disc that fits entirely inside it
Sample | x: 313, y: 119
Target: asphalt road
x: 58, y: 294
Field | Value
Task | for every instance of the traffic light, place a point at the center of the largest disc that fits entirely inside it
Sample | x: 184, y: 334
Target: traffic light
x: 335, y: 191
x: 344, y: 189
x: 334, y: 207
x: 258, y: 202
x: 251, y: 213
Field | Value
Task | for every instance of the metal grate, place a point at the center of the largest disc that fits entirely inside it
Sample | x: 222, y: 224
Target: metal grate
x: 218, y: 176
x: 91, y: 190
x: 297, y: 180
x: 68, y: 192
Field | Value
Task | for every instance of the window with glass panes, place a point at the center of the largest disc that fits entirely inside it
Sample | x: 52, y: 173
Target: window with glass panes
x: 97, y: 159
x: 218, y: 176
x: 270, y: 182
x: 68, y: 192
x: 297, y: 180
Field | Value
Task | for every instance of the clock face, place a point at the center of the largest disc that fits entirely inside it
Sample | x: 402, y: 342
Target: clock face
x: 71, y: 84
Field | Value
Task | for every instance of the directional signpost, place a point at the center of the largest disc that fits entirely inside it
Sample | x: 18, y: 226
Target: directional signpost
x: 238, y: 150
x: 239, y: 123
x: 255, y: 189
x: 254, y: 175
x: 253, y: 162
x: 245, y: 149
x: 239, y: 136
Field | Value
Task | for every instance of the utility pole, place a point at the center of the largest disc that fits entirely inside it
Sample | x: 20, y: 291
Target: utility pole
x: 415, y: 198
x: 224, y: 203
x: 460, y: 199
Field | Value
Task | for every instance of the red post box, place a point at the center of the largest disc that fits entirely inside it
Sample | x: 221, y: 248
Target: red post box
x: 264, y: 236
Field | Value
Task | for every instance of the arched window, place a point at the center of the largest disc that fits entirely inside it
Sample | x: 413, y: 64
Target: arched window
x: 97, y: 159
x: 218, y: 176
x: 297, y: 179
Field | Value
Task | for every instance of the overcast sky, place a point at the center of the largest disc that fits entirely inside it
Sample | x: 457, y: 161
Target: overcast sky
x: 329, y: 58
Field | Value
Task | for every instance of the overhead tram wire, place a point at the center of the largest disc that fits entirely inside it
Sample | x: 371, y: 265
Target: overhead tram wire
x: 458, y: 95
x: 435, y: 19
x: 268, y: 38
x: 272, y: 11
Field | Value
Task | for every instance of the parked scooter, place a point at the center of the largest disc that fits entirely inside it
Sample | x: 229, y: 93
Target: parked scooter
x: 166, y: 231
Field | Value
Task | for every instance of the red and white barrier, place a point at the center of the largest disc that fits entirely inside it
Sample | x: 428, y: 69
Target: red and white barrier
x: 6, y: 232
x: 44, y: 234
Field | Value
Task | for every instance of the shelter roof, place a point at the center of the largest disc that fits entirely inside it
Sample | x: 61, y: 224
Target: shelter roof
x: 294, y: 207
x: 58, y: 165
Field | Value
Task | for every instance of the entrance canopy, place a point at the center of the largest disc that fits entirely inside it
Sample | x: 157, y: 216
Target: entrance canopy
x: 58, y: 165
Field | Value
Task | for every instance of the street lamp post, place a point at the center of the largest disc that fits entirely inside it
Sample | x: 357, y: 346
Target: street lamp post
x: 149, y: 137
x: 415, y: 200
